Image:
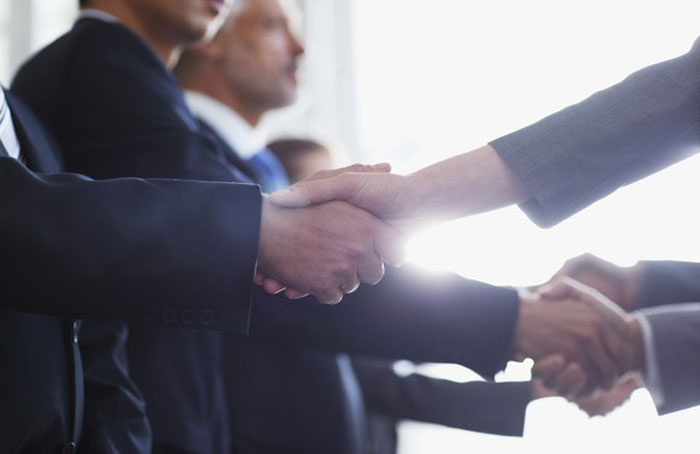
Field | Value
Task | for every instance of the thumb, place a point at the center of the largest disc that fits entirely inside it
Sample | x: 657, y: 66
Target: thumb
x: 326, y: 185
x: 549, y: 366
x: 383, y: 167
x: 305, y: 193
x: 562, y: 287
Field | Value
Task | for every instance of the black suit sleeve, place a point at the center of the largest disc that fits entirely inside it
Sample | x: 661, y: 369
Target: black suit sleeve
x: 497, y: 408
x: 668, y: 282
x: 162, y: 251
x: 409, y: 315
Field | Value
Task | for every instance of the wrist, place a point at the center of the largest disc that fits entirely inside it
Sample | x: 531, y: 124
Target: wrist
x: 633, y: 283
x: 266, y: 213
x: 421, y: 193
x: 636, y: 338
x: 523, y: 327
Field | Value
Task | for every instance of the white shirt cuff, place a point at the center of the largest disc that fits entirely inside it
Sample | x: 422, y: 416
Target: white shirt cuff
x: 652, y: 377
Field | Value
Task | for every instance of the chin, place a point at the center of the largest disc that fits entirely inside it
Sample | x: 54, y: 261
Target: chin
x: 197, y: 30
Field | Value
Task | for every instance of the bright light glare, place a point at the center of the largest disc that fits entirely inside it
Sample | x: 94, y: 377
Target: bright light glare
x: 442, y: 77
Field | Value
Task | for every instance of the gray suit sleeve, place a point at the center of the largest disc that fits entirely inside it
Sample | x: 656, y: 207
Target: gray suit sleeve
x: 668, y: 282
x: 621, y: 134
x: 676, y: 337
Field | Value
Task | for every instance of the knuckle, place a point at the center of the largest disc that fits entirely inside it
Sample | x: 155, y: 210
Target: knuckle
x: 342, y: 270
x: 356, y: 251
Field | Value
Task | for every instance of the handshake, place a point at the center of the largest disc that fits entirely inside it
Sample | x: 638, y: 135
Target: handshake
x: 583, y: 341
x: 335, y: 230
x: 328, y: 234
x: 319, y: 239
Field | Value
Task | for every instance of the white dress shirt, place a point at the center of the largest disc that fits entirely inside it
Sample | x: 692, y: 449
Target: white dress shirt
x: 7, y: 128
x: 90, y: 13
x: 231, y: 127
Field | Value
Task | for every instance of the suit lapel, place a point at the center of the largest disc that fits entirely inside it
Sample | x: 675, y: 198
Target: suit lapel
x: 3, y: 151
x: 230, y: 154
x: 38, y: 148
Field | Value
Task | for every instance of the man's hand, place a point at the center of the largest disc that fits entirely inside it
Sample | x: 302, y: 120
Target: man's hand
x: 325, y: 250
x: 620, y: 284
x: 571, y: 380
x: 582, y: 325
x: 606, y: 401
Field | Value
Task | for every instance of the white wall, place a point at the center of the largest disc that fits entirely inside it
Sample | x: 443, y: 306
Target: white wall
x: 26, y: 26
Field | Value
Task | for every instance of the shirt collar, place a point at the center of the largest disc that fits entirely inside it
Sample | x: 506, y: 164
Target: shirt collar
x: 243, y: 138
x: 8, y: 136
x: 92, y: 13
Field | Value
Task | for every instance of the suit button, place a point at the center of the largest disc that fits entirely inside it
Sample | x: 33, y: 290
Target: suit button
x: 169, y: 315
x: 69, y: 448
x: 150, y: 314
x: 74, y: 329
x: 188, y: 316
x: 206, y: 317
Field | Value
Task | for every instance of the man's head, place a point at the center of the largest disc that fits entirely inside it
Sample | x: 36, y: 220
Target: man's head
x: 301, y: 158
x: 165, y: 22
x: 251, y: 63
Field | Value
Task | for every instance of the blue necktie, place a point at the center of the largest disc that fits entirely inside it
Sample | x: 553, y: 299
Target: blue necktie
x: 268, y: 171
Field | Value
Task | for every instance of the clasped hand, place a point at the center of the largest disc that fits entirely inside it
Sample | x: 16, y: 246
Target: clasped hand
x: 326, y: 249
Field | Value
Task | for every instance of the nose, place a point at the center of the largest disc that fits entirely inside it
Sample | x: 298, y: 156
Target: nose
x: 295, y: 44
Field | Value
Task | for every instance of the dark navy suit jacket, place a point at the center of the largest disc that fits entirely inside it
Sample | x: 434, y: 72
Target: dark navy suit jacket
x: 67, y: 244
x: 497, y: 408
x: 117, y: 111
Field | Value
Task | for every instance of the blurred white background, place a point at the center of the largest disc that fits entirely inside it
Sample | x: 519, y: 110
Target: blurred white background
x: 414, y: 81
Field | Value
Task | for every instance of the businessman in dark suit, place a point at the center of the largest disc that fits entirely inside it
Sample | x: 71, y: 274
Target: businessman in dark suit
x: 66, y: 242
x: 143, y: 111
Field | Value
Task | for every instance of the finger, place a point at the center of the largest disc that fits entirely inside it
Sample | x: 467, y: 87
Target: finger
x: 272, y: 286
x: 294, y: 294
x: 351, y: 284
x: 605, y: 369
x: 312, y: 192
x: 619, y: 349
x: 549, y: 366
x: 383, y: 167
x: 519, y: 357
x: 329, y: 296
x: 567, y: 287
x: 259, y: 278
x: 559, y: 288
x: 390, y: 245
x: 571, y: 382
x: 574, y: 265
x: 371, y: 270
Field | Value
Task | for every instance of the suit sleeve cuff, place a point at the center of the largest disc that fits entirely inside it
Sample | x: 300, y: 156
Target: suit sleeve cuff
x: 652, y: 376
